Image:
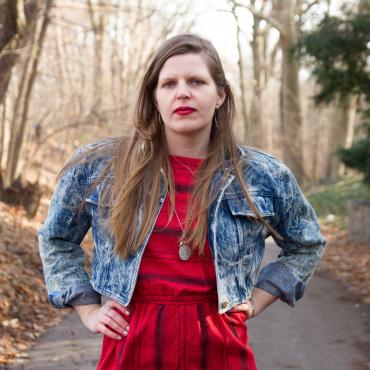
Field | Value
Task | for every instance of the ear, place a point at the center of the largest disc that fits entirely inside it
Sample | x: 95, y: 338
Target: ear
x: 221, y: 97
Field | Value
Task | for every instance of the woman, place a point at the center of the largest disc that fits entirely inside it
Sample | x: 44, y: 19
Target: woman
x: 179, y: 216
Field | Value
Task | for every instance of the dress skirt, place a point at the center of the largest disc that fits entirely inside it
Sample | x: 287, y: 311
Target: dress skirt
x: 178, y: 330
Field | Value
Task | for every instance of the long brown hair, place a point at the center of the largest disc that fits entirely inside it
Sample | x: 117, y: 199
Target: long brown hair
x: 140, y: 163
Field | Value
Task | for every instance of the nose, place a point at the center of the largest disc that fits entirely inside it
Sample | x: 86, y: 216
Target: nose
x: 183, y: 90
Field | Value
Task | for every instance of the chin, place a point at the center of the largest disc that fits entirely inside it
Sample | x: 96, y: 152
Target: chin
x: 189, y: 130
x: 188, y: 127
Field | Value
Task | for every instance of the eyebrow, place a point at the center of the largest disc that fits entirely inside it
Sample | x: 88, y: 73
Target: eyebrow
x: 189, y: 77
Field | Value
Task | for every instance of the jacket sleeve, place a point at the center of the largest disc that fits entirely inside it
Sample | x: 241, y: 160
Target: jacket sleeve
x: 60, y: 236
x: 302, y: 245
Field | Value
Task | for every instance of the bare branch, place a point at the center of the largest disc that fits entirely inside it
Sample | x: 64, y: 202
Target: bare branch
x: 274, y: 51
x: 21, y: 17
x: 92, y: 17
x: 89, y: 120
x: 309, y: 6
x: 274, y: 23
x: 108, y: 7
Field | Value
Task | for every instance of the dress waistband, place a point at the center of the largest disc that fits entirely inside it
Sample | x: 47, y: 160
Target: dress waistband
x: 180, y: 299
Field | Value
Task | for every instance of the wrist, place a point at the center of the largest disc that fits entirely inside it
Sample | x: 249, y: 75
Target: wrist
x: 85, y: 311
x: 251, y: 307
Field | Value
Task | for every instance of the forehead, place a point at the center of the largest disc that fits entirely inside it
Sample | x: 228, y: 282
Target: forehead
x: 184, y: 64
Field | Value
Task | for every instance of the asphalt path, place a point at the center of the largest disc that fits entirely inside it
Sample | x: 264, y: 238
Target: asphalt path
x: 327, y: 330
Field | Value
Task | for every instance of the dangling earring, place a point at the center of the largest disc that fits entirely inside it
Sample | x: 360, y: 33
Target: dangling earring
x: 215, y: 117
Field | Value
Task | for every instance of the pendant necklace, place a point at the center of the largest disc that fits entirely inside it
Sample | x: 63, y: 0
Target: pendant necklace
x: 184, y: 250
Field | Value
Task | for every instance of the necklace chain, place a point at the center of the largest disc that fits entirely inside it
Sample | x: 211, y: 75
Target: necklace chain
x: 177, y: 216
x: 185, y: 251
x: 184, y: 165
x: 178, y: 219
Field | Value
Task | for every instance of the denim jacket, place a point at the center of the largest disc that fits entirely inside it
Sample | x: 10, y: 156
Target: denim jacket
x: 237, y: 243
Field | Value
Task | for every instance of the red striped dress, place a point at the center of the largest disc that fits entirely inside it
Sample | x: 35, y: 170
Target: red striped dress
x: 174, y: 323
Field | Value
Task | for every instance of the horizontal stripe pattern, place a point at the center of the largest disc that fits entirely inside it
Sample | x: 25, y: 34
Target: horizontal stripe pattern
x: 174, y: 323
x: 161, y: 264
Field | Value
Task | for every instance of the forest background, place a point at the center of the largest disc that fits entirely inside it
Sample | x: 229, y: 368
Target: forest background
x: 69, y: 73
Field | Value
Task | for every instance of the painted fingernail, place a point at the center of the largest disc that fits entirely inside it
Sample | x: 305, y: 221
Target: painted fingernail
x: 125, y: 333
x: 127, y: 312
x: 119, y: 337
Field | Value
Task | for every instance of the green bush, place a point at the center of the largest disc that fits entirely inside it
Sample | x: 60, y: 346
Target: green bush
x: 332, y: 198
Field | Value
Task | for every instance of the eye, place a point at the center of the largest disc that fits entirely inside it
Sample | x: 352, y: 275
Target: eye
x: 196, y: 82
x: 168, y: 84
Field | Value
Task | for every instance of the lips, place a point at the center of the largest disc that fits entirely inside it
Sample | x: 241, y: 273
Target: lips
x: 184, y: 110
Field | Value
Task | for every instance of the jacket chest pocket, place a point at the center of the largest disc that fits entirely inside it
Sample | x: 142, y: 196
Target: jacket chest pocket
x: 250, y: 231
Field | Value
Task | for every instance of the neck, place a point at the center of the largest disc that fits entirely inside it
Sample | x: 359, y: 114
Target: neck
x: 187, y: 146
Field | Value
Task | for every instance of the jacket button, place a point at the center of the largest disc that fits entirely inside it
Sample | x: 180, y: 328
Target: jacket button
x: 224, y: 304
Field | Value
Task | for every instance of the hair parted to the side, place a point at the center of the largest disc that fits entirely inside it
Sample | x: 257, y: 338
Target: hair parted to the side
x: 139, y: 162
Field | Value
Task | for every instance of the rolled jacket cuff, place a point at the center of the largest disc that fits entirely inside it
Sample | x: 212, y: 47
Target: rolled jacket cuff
x: 270, y: 288
x: 77, y: 295
x: 279, y: 281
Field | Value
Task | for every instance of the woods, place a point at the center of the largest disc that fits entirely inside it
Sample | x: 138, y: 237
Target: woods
x: 65, y: 67
x: 69, y: 72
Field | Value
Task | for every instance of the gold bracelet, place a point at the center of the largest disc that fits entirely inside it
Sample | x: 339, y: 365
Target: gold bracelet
x: 253, y: 305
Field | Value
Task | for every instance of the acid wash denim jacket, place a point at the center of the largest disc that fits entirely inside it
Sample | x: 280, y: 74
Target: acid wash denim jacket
x: 237, y: 243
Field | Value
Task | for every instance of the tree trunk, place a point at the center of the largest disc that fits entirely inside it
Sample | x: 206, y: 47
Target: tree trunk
x: 283, y: 18
x: 290, y: 104
x: 16, y: 142
x: 342, y: 131
x: 14, y: 35
x: 258, y: 129
x: 243, y: 98
x: 364, y: 6
x: 8, y: 43
x: 2, y: 133
x: 67, y: 82
x: 98, y: 24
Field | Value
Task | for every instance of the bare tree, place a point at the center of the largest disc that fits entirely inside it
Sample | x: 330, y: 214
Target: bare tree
x: 263, y: 65
x: 290, y: 104
x: 20, y: 115
x: 285, y: 16
x: 98, y: 23
x: 258, y: 44
x: 77, y: 81
x: 341, y: 135
x: 241, y: 67
x: 17, y: 22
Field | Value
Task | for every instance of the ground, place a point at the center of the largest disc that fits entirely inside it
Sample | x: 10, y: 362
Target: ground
x: 328, y: 329
x: 347, y: 261
x: 25, y: 312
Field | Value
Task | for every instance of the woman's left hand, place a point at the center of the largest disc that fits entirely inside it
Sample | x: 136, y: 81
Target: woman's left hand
x: 258, y: 302
x: 246, y: 307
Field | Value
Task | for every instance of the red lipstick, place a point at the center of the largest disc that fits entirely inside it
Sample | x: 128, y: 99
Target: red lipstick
x: 184, y: 110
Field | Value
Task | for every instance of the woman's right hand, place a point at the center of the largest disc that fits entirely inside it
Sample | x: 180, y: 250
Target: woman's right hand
x: 101, y: 319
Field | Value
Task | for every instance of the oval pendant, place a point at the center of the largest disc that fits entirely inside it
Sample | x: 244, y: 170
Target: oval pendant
x: 184, y: 252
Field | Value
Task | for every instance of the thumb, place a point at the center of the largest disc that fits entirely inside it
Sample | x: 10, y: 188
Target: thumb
x: 239, y: 307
